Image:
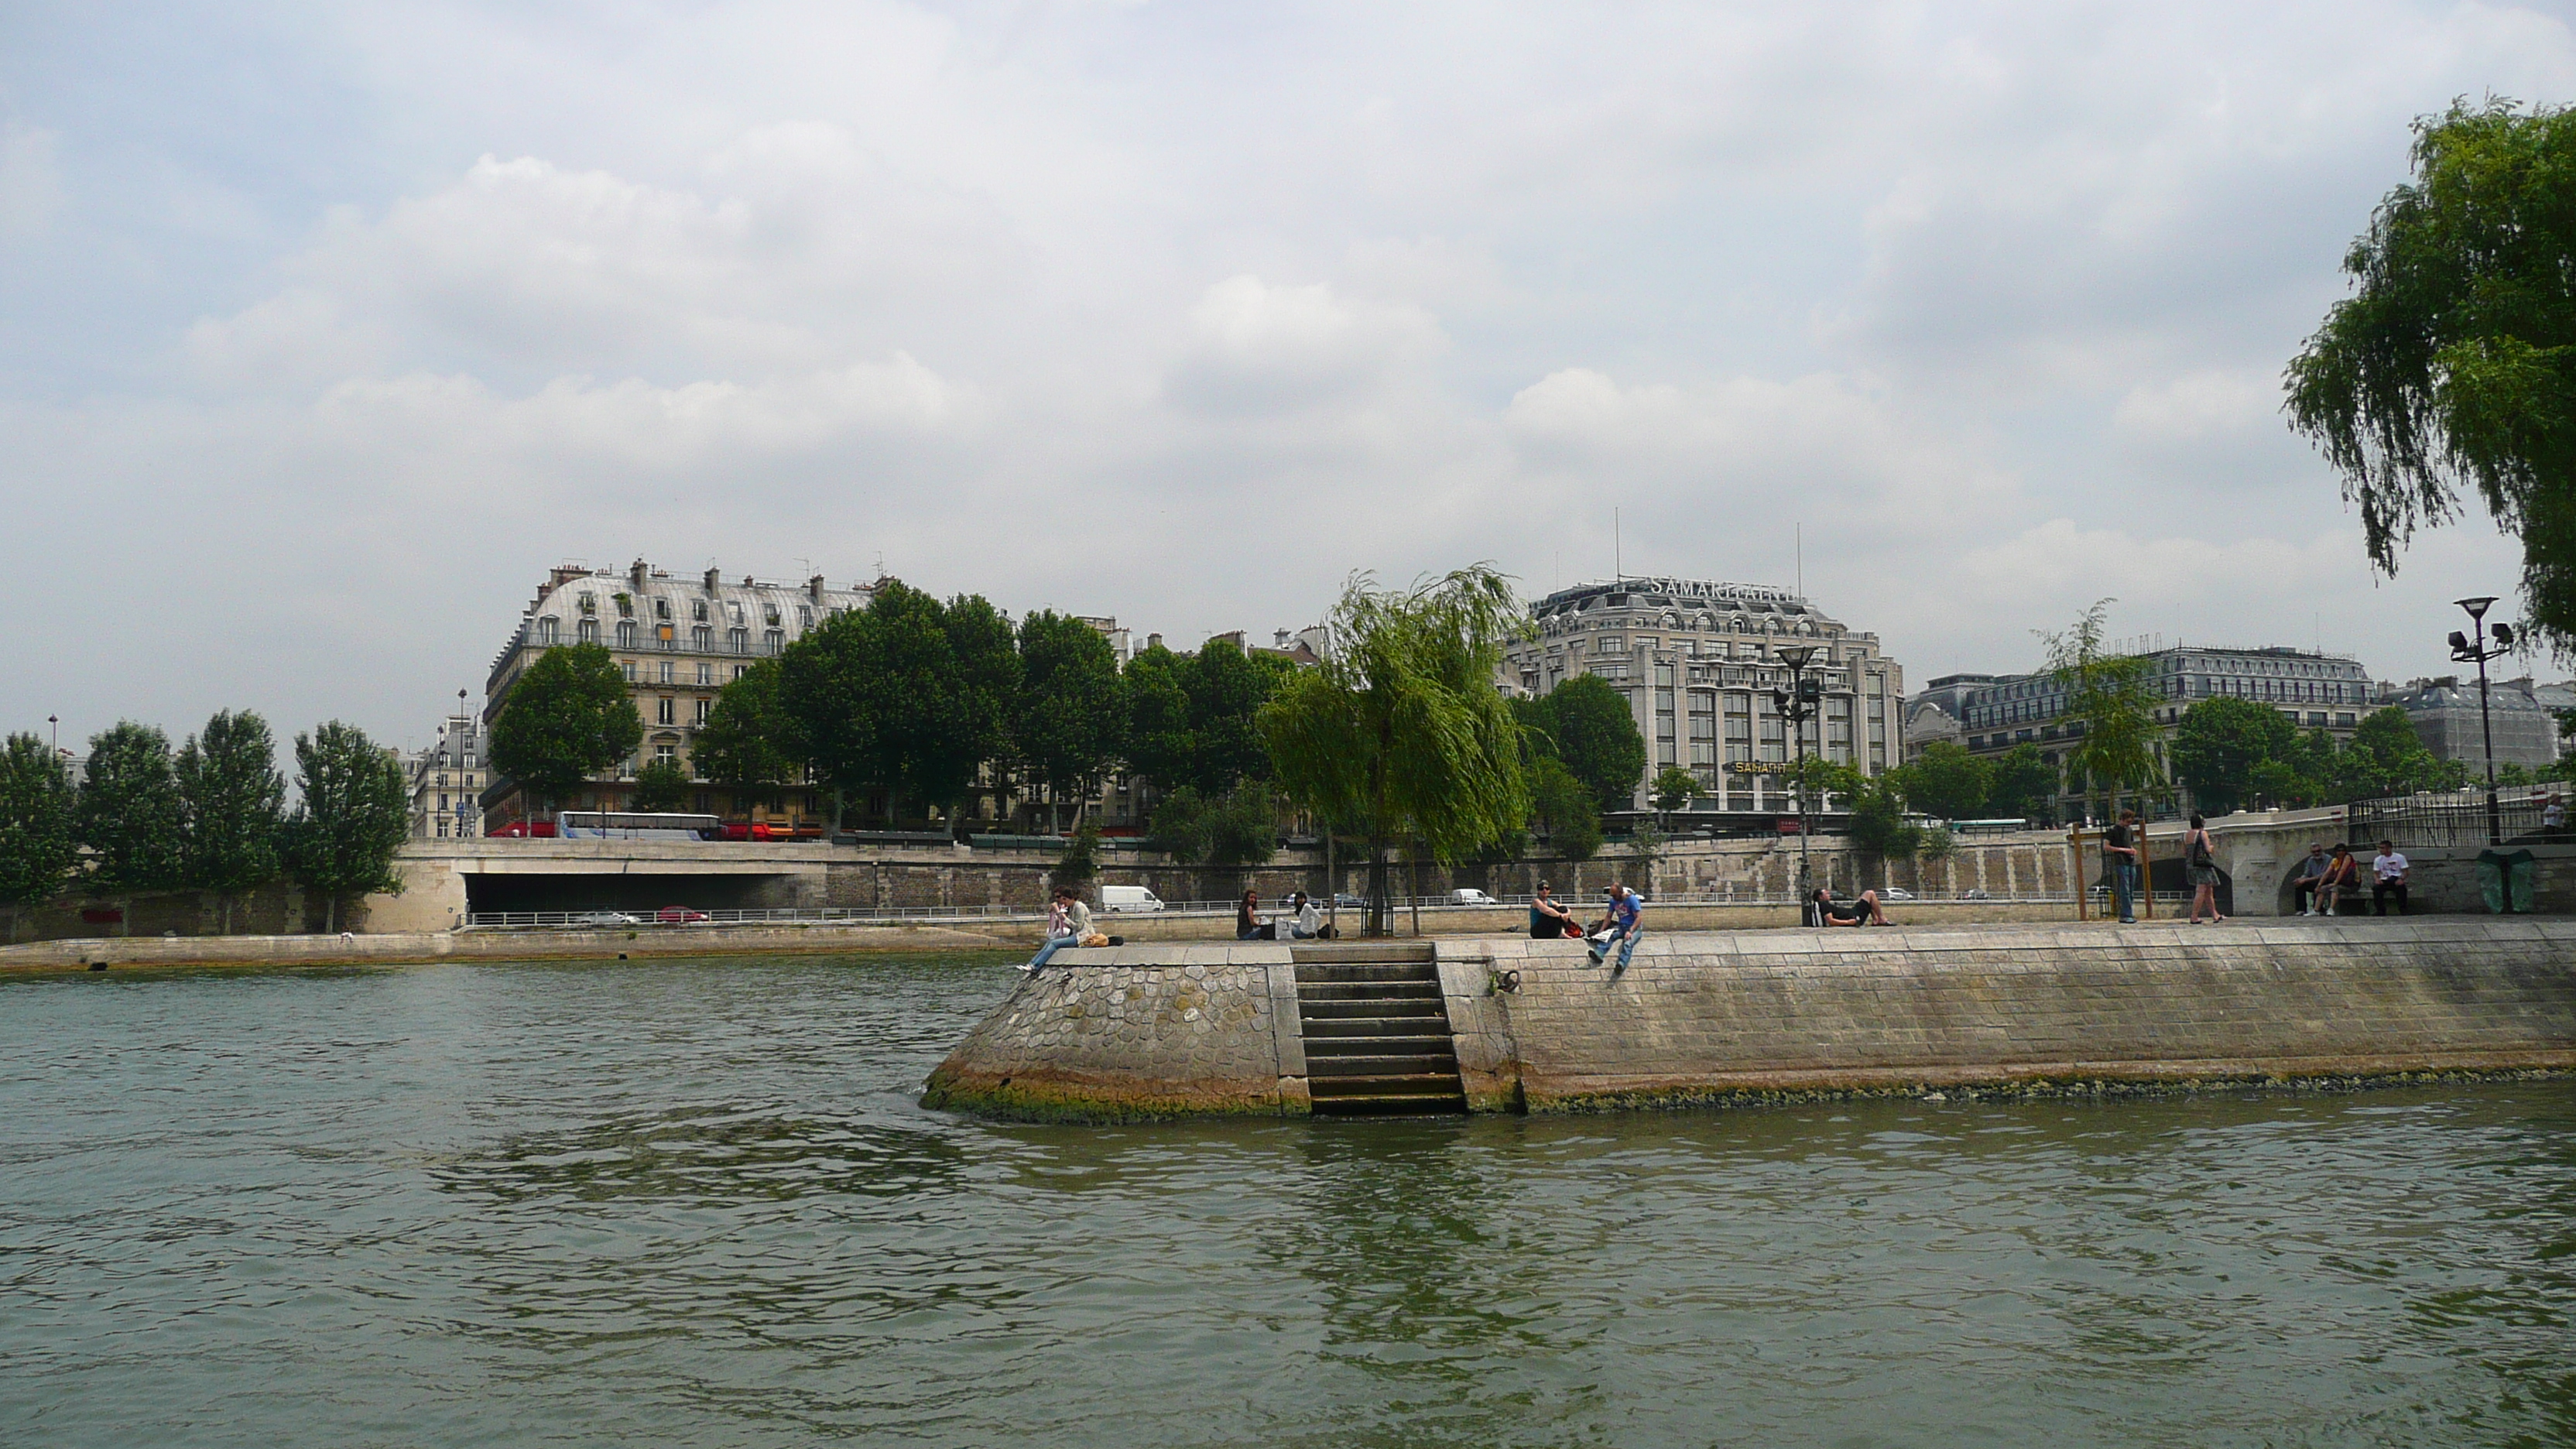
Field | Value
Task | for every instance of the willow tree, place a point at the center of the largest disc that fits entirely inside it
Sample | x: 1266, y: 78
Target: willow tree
x: 1400, y: 736
x: 2111, y: 701
x: 2453, y: 364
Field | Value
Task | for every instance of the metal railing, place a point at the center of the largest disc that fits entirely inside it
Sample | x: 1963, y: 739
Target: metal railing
x: 2451, y: 818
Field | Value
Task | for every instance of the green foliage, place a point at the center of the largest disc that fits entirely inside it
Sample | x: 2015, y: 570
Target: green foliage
x: 130, y: 815
x: 1194, y: 719
x: 1595, y: 735
x: 352, y: 818
x: 1240, y: 827
x: 1645, y: 847
x: 1401, y: 733
x: 2387, y: 757
x: 39, y: 814
x: 1179, y: 826
x: 1937, y: 844
x: 1070, y: 721
x: 1672, y: 789
x: 749, y: 744
x: 1878, y: 820
x: 567, y: 718
x: 1818, y: 779
x: 660, y: 786
x: 2025, y: 785
x: 2451, y: 365
x: 2223, y: 741
x: 2110, y: 698
x: 1564, y: 809
x: 232, y: 807
x: 908, y: 695
x: 1080, y: 863
x: 1948, y: 782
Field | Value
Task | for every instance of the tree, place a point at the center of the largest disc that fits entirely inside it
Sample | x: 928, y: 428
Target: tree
x: 2110, y: 701
x: 130, y: 815
x: 2221, y: 743
x: 232, y: 808
x: 908, y: 695
x: 1192, y: 718
x: 1645, y: 848
x: 1596, y: 737
x: 1179, y: 827
x: 749, y: 745
x: 1564, y: 810
x: 2025, y: 785
x: 1672, y: 789
x: 2386, y: 757
x: 39, y: 819
x: 566, y: 719
x: 1948, y: 782
x: 1401, y: 732
x: 1070, y: 721
x: 1080, y: 863
x: 2450, y: 366
x: 353, y: 817
x: 1878, y: 820
x: 660, y: 785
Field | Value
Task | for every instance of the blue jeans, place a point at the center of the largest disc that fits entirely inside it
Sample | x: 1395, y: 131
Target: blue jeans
x: 2124, y: 888
x: 1047, y: 952
x: 1627, y: 937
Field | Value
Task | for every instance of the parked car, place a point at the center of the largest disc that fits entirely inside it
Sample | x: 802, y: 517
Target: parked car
x: 1128, y: 899
x: 1470, y: 896
x: 1896, y: 893
x: 1345, y: 901
x: 602, y: 918
x: 679, y: 916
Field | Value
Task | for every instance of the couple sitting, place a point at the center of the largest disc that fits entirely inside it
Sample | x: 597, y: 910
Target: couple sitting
x: 1622, y: 922
x: 1068, y: 924
x: 1304, y: 920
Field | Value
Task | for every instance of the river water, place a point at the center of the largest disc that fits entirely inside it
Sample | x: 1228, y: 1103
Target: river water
x: 695, y: 1203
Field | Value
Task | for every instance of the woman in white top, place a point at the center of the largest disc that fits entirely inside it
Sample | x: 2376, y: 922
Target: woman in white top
x: 1310, y: 917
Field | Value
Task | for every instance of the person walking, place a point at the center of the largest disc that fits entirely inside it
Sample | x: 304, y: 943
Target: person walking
x: 1625, y: 922
x: 2389, y: 872
x: 2303, y: 890
x: 2119, y: 845
x: 1550, y: 921
x: 1068, y: 921
x: 2200, y: 864
x: 2342, y: 878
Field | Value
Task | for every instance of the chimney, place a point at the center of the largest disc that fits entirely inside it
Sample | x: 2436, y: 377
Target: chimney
x: 1153, y: 641
x: 1279, y: 638
x: 636, y: 573
x: 814, y: 588
x: 714, y: 579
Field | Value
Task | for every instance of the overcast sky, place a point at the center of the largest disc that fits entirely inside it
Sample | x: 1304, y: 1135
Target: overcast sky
x: 326, y: 329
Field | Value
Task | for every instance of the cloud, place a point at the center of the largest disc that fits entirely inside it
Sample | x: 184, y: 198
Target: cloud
x: 1256, y: 347
x: 31, y: 188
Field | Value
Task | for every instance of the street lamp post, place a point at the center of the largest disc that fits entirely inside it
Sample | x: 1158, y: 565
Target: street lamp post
x: 2474, y: 646
x: 1797, y: 704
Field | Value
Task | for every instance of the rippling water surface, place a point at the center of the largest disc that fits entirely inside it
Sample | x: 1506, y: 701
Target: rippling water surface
x: 694, y: 1203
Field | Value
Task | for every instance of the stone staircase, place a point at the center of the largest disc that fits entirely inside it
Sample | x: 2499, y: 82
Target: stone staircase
x: 1376, y: 1031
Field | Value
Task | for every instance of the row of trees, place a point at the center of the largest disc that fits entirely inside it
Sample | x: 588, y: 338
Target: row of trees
x: 209, y: 816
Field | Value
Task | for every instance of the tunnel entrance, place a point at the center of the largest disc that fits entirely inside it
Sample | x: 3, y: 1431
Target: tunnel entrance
x: 634, y: 894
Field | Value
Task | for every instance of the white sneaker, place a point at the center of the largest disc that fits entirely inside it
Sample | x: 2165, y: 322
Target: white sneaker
x: 2307, y: 913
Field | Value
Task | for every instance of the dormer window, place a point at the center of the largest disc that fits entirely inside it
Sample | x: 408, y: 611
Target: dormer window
x: 589, y: 631
x: 661, y: 608
x: 698, y: 610
x: 626, y: 606
x: 734, y: 612
x: 770, y: 616
x: 804, y: 617
x: 590, y: 603
x: 546, y: 629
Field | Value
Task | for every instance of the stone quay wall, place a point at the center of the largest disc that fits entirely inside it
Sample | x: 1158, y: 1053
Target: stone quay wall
x: 1748, y: 1016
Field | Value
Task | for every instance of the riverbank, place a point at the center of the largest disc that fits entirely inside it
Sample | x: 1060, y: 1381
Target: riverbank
x: 1500, y: 1025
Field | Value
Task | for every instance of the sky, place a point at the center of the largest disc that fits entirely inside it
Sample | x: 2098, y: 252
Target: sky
x: 326, y: 330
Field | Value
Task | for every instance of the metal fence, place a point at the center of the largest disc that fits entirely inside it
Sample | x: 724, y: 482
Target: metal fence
x: 2450, y: 819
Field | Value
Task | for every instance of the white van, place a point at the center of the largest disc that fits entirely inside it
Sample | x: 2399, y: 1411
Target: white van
x: 1128, y: 898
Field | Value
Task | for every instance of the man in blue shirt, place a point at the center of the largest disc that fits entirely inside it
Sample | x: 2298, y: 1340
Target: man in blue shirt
x: 1624, y: 924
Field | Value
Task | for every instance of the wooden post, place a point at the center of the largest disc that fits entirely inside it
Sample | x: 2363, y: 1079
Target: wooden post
x: 2146, y: 876
x: 2083, y: 897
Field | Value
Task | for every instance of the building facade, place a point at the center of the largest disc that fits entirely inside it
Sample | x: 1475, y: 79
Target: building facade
x: 1995, y: 713
x: 2522, y: 716
x: 447, y: 779
x: 679, y: 641
x: 1697, y: 660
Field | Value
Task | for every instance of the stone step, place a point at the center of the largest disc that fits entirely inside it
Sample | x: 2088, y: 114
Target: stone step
x: 1362, y: 1008
x: 1368, y: 1096
x: 1405, y: 971
x: 1419, y: 1064
x: 1337, y: 951
x: 1380, y: 1046
x: 1366, y: 1028
x: 1368, y: 991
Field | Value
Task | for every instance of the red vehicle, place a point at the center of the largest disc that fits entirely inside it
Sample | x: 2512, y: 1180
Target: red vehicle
x: 526, y: 829
x: 678, y: 916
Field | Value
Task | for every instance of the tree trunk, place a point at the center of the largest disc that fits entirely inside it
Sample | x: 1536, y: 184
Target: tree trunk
x: 331, y: 913
x: 1377, y: 888
x: 227, y: 900
x: 1416, y: 896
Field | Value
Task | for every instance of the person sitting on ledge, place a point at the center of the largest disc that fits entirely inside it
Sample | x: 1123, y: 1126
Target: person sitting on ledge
x: 1550, y: 921
x: 2342, y: 878
x: 1249, y: 927
x: 1621, y: 922
x: 1824, y: 910
x: 1308, y: 922
x: 1068, y: 921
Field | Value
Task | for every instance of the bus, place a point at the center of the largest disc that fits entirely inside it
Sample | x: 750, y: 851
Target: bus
x: 629, y: 825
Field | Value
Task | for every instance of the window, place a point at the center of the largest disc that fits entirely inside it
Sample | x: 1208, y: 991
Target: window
x: 663, y: 754
x: 738, y: 641
x: 625, y: 606
x: 546, y: 630
x: 698, y: 610
x: 625, y: 633
x: 733, y: 613
x: 704, y: 705
x: 804, y: 616
x: 769, y: 616
x: 706, y: 674
x: 702, y: 638
x: 588, y: 629
x: 442, y: 827
x: 666, y: 710
x: 661, y: 608
x: 630, y: 671
x: 442, y: 802
x: 666, y: 635
x: 773, y: 640
x: 740, y: 669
